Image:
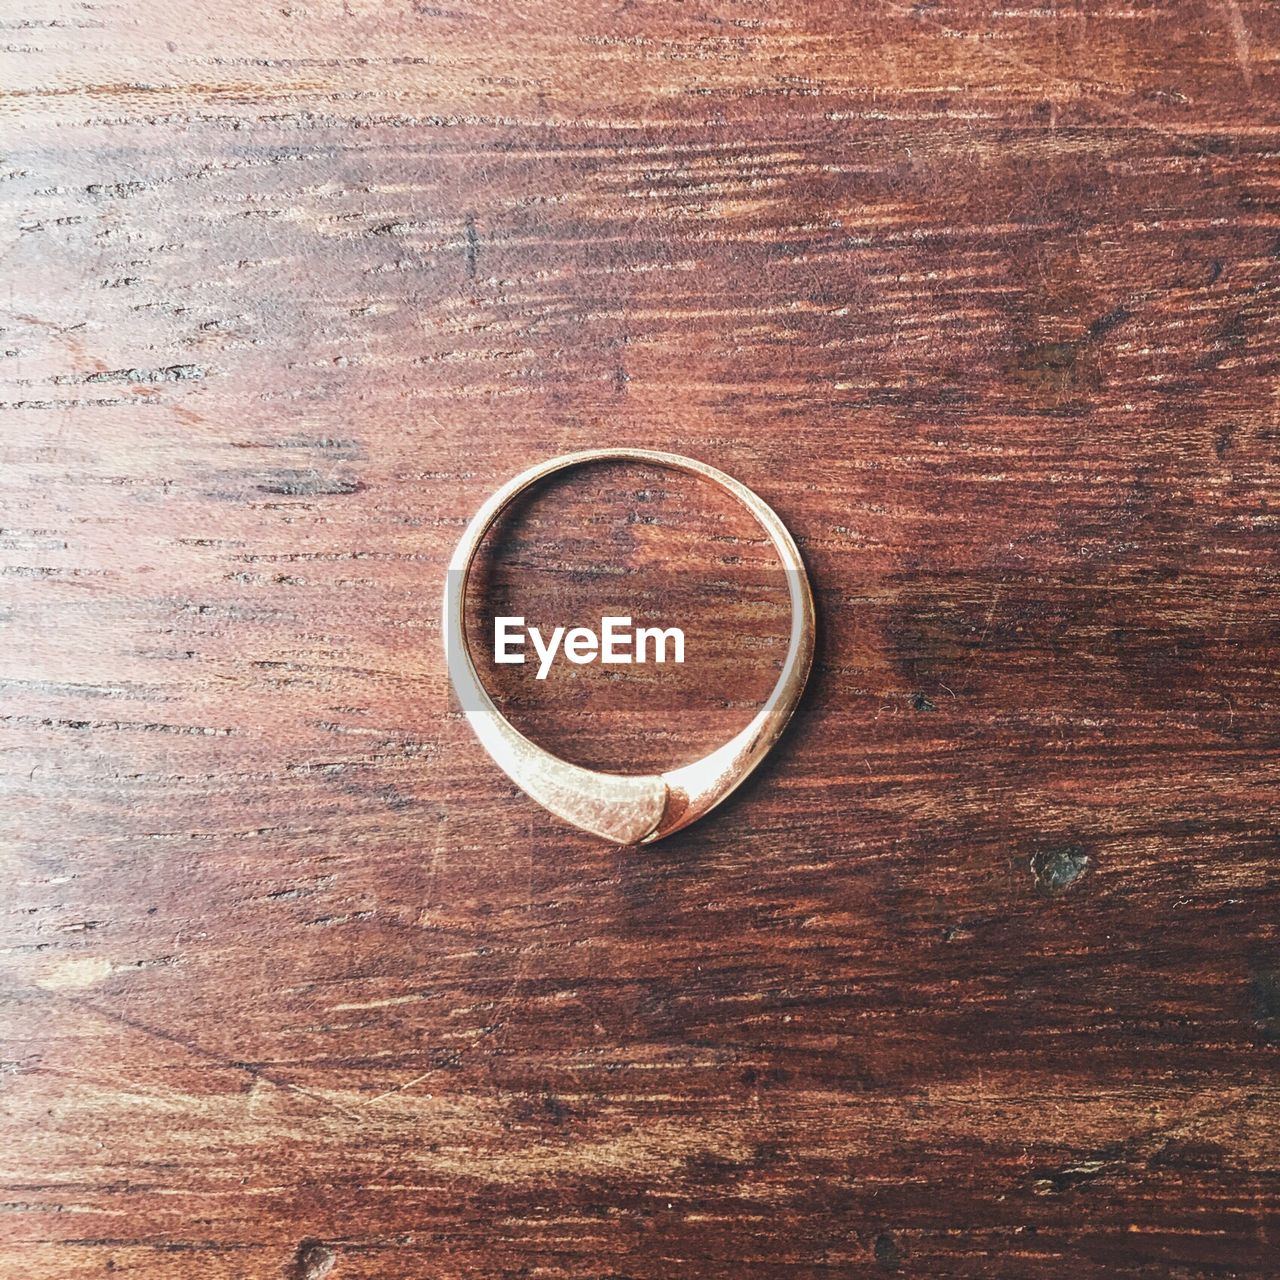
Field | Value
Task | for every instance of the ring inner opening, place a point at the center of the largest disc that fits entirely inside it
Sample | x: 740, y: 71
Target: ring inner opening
x: 630, y: 540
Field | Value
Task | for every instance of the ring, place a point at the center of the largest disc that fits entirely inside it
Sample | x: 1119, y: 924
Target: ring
x: 627, y: 808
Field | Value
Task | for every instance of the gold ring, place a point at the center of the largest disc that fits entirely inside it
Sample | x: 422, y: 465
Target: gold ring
x: 627, y: 808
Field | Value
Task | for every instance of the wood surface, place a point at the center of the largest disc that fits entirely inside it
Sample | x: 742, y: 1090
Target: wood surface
x: 978, y: 977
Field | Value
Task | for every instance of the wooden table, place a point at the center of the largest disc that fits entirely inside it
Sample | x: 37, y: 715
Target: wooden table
x: 978, y: 977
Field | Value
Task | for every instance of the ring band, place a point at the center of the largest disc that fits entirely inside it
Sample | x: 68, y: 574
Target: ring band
x: 627, y: 808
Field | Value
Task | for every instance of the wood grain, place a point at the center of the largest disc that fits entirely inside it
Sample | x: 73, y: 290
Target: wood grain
x: 978, y: 977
